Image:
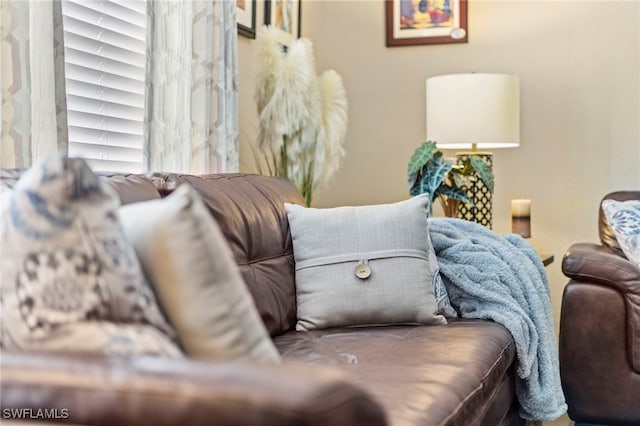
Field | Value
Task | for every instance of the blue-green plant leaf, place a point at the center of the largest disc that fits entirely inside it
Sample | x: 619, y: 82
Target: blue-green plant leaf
x: 483, y: 171
x: 412, y: 178
x: 420, y: 156
x: 434, y: 174
x: 455, y: 193
x: 414, y: 184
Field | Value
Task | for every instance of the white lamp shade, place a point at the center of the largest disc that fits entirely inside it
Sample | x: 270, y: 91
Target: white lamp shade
x: 466, y: 109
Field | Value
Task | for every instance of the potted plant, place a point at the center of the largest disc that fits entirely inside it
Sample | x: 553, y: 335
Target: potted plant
x: 302, y: 116
x: 431, y: 173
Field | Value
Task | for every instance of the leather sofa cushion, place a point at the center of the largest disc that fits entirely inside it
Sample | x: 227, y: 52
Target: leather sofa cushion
x: 250, y: 212
x: 453, y: 375
x: 131, y: 188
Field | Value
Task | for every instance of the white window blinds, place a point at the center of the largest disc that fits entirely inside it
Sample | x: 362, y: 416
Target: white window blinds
x: 105, y: 56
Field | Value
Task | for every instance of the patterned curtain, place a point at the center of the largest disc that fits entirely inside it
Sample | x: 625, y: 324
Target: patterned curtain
x: 192, y: 89
x: 34, y: 120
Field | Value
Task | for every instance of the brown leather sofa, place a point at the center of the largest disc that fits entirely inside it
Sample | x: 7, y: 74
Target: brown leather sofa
x: 600, y: 330
x: 462, y: 373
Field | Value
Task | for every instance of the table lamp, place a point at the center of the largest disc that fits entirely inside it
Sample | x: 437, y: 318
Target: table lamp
x: 474, y: 112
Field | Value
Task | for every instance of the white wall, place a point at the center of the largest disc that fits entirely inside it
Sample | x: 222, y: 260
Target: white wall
x: 579, y: 68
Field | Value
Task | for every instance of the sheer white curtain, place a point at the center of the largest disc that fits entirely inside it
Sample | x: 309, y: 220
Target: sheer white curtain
x: 34, y: 122
x: 192, y: 122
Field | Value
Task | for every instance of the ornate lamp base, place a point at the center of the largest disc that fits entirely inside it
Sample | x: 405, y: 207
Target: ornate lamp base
x: 482, y: 211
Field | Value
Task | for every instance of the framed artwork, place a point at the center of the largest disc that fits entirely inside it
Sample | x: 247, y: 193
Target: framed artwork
x: 246, y: 16
x: 284, y: 15
x: 411, y: 22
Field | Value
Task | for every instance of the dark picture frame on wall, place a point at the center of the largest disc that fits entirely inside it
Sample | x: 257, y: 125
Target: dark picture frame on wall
x: 413, y: 22
x: 285, y: 16
x: 246, y: 17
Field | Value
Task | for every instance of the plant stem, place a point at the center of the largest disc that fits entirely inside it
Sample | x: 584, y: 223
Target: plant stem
x: 450, y: 206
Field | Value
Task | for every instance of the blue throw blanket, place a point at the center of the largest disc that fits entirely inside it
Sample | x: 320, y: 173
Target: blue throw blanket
x: 501, y: 278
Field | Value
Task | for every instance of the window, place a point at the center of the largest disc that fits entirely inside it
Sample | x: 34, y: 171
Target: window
x: 105, y: 60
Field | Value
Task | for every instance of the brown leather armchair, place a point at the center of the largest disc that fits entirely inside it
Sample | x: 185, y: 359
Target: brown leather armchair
x: 600, y: 330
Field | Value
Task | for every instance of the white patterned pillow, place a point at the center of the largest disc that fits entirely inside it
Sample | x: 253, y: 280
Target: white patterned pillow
x: 66, y: 261
x: 366, y: 265
x: 194, y: 274
x: 624, y: 218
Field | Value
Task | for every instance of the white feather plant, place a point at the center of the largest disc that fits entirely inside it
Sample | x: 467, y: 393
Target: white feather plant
x: 303, y: 118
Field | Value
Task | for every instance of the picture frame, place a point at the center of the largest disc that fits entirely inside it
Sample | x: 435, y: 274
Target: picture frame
x: 284, y: 15
x: 415, y: 22
x: 246, y: 17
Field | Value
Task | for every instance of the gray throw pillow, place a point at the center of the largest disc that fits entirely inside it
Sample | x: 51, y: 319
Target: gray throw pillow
x: 198, y: 283
x: 366, y: 265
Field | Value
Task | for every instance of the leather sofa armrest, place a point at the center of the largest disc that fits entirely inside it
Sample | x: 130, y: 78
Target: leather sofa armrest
x: 600, y: 264
x: 596, y: 264
x: 97, y: 390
